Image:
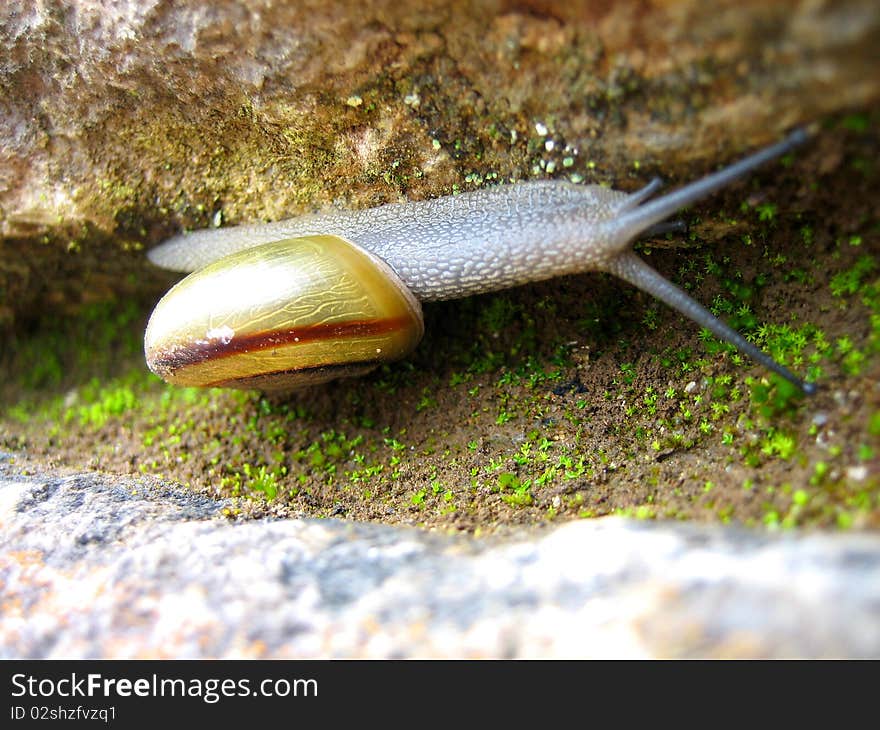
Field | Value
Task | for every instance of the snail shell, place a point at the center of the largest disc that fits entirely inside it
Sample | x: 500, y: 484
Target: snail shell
x: 283, y: 314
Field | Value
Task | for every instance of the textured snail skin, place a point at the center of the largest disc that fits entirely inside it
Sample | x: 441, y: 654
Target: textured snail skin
x: 449, y: 247
x: 500, y: 237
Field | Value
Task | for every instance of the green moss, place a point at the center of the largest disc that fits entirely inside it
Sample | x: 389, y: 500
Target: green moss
x: 856, y: 122
x: 580, y: 397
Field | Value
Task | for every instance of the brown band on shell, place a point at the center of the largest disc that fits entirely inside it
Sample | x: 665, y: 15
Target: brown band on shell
x: 166, y: 362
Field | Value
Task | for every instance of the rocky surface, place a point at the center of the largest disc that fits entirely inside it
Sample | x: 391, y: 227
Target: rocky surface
x: 122, y: 121
x: 96, y: 568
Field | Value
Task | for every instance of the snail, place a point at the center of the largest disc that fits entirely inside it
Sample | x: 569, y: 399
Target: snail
x: 306, y: 300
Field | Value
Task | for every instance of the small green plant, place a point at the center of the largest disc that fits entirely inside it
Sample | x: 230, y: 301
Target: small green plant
x: 766, y: 212
x: 513, y: 491
x: 263, y: 479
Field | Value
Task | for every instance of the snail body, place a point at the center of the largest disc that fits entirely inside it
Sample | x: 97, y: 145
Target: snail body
x: 449, y: 247
x: 280, y: 305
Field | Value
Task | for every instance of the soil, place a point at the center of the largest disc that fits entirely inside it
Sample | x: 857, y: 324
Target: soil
x: 567, y: 399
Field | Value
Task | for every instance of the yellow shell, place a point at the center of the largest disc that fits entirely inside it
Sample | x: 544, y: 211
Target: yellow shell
x: 282, y: 315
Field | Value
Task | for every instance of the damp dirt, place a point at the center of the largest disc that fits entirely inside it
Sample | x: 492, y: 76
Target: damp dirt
x: 566, y: 399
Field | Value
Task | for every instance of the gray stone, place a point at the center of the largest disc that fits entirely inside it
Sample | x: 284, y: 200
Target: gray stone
x: 95, y: 567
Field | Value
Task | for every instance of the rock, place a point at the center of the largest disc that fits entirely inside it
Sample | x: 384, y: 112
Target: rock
x: 101, y: 567
x: 124, y: 121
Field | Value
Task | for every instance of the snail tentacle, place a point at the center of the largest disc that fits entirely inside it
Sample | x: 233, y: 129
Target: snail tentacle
x: 631, y: 224
x: 639, y: 196
x: 631, y: 268
x: 643, y: 217
x: 664, y: 227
